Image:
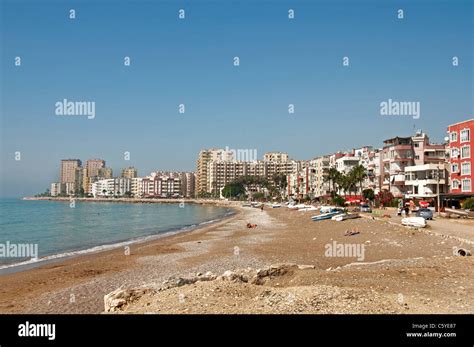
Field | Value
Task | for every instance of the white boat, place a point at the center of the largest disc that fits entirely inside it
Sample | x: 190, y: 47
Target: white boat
x: 276, y: 205
x: 416, y: 222
x: 295, y: 207
x: 326, y: 209
x: 307, y: 208
x: 324, y: 216
x: 345, y: 216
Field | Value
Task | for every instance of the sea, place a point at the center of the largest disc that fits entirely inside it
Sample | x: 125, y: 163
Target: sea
x: 36, y: 231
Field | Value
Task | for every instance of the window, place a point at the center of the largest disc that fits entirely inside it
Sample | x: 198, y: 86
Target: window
x: 417, y: 157
x: 466, y: 168
x: 453, y: 136
x: 455, y: 184
x: 416, y: 144
x: 465, y: 152
x: 465, y: 135
x: 454, y: 152
x: 466, y: 185
x: 454, y: 168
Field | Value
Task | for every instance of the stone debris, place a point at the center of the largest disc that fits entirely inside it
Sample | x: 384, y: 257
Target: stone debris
x: 117, y: 299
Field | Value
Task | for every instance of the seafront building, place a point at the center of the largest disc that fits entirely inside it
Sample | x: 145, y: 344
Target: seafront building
x: 400, y: 153
x: 57, y: 189
x: 129, y: 172
x: 221, y: 172
x: 93, y: 166
x: 409, y: 167
x: 461, y: 159
x: 105, y: 172
x: 205, y: 157
x: 119, y: 186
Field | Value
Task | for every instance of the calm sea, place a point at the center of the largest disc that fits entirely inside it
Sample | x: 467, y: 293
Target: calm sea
x: 60, y: 230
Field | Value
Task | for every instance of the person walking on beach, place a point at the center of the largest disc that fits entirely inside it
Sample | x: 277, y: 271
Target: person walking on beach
x: 261, y: 208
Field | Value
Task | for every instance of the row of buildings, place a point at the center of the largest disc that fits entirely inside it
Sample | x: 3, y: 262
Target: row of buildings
x: 408, y: 167
x: 96, y: 179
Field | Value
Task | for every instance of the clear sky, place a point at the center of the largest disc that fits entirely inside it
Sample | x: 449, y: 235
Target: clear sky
x: 190, y: 61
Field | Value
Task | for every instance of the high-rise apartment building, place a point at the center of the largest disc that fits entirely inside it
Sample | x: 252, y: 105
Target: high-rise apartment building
x: 68, y: 170
x: 204, y: 158
x: 93, y: 166
x: 129, y: 172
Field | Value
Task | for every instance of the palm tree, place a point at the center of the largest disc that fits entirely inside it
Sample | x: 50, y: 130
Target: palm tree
x: 333, y: 177
x: 359, y: 174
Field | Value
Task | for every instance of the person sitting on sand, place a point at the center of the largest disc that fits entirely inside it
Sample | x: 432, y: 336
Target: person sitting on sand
x: 251, y: 226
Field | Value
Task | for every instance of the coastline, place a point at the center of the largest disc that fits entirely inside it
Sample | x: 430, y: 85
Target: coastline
x: 418, y: 265
x: 55, y: 258
x: 215, y: 202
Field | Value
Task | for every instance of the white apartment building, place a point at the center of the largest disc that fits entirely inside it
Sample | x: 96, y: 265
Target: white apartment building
x: 220, y: 173
x: 346, y: 163
x: 111, y: 187
x: 161, y: 186
x: 57, y: 188
x: 423, y: 180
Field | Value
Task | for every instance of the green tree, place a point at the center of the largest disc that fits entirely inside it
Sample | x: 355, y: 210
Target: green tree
x: 233, y: 189
x: 368, y: 194
x: 334, y: 178
x: 358, y: 175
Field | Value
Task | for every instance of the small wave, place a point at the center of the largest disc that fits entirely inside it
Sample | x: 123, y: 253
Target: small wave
x: 105, y: 247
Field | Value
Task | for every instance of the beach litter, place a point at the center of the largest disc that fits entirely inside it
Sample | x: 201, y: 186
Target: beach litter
x: 462, y: 252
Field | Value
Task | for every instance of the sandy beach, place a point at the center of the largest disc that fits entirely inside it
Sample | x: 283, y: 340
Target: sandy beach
x: 402, y: 271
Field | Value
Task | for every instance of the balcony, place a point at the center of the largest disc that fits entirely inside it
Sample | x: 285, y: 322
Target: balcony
x: 398, y: 179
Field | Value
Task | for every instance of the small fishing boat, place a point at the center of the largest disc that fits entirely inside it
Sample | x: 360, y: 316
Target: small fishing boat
x: 415, y: 222
x: 276, y: 205
x: 307, y: 208
x: 324, y: 216
x: 298, y: 206
x: 345, y: 216
x: 327, y: 209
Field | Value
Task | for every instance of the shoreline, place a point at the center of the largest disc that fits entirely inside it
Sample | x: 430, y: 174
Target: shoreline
x: 31, y: 264
x: 105, y: 261
x: 216, y: 202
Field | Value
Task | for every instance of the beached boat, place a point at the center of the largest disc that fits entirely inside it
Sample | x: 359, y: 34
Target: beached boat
x: 298, y: 206
x: 276, y: 205
x: 246, y: 204
x: 345, y: 216
x: 324, y: 216
x: 416, y: 222
x: 307, y: 208
x: 327, y: 209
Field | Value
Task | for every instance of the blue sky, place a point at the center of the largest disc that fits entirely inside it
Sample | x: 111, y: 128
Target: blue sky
x: 190, y: 61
